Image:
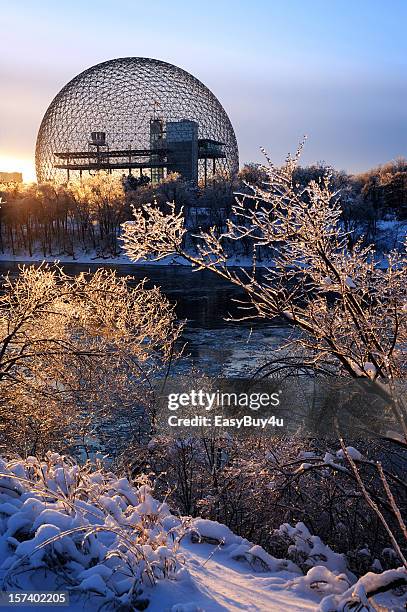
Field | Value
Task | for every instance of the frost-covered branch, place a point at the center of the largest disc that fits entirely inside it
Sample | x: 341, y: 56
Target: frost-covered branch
x: 71, y: 346
x: 348, y: 307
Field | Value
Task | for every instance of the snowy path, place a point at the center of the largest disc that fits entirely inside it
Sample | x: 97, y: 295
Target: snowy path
x: 223, y: 584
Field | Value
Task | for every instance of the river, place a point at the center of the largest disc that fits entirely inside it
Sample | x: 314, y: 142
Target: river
x: 204, y: 300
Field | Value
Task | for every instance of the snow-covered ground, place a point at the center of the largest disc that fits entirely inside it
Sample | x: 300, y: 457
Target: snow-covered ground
x: 82, y: 257
x: 89, y: 258
x: 218, y: 584
x: 111, y: 544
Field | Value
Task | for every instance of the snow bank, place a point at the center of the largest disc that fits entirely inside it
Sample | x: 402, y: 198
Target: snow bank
x: 320, y: 580
x: 388, y: 589
x: 238, y: 548
x: 112, y: 545
x: 308, y: 551
x: 212, y: 532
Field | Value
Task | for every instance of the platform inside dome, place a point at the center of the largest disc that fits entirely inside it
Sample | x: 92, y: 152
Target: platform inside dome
x: 175, y: 148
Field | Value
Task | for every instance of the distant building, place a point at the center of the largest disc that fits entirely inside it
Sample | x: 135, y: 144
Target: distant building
x: 11, y: 177
x: 138, y: 116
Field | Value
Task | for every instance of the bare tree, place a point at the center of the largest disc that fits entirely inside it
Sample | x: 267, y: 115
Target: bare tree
x: 75, y: 346
x: 350, y: 311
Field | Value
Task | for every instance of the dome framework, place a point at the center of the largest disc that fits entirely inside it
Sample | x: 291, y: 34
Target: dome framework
x: 136, y: 115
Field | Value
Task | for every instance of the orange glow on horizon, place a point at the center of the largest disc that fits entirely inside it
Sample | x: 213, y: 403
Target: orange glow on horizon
x: 9, y: 163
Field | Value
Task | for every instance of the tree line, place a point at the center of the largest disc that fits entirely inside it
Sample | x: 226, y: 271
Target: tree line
x: 86, y: 216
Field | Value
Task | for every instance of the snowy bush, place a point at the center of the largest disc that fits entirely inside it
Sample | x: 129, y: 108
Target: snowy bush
x: 77, y: 356
x: 388, y: 589
x: 308, y: 551
x: 259, y: 485
x: 84, y: 529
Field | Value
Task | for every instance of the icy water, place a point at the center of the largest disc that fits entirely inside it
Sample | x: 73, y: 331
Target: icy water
x: 213, y: 345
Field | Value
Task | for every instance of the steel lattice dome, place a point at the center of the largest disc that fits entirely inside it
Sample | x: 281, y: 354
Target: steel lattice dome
x: 119, y: 98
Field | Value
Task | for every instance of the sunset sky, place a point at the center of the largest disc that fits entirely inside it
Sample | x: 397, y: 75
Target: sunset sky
x: 336, y: 71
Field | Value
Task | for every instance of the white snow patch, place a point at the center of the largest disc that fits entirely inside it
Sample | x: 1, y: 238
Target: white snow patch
x: 352, y: 452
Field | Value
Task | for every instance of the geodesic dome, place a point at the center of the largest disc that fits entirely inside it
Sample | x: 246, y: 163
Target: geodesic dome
x: 118, y: 100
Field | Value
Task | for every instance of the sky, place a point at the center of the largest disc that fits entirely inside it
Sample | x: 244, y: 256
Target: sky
x: 333, y: 70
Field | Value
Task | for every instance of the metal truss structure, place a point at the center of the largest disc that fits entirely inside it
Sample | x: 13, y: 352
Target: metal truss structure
x: 139, y: 115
